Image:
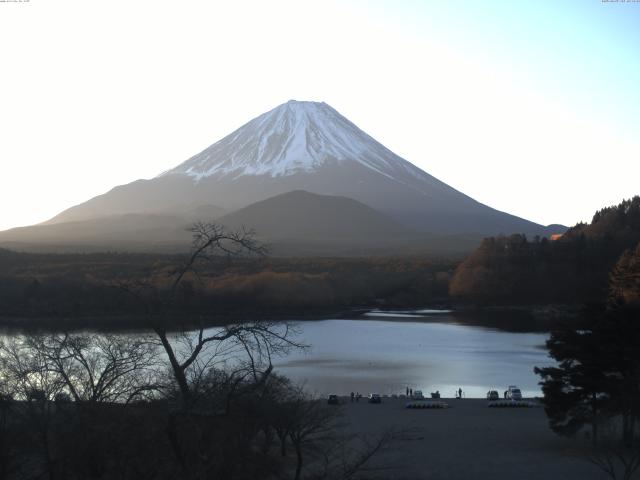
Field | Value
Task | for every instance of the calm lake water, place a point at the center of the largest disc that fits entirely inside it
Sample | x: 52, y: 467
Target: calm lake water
x: 427, y: 350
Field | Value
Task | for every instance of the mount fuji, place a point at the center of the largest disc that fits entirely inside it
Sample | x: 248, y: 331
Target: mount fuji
x: 297, y: 146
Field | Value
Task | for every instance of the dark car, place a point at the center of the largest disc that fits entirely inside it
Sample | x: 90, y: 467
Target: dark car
x: 332, y: 400
x: 493, y: 395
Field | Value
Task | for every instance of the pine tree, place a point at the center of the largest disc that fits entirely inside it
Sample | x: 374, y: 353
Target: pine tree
x: 598, y: 371
x: 575, y: 390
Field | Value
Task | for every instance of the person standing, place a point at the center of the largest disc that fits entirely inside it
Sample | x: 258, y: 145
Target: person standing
x: 352, y: 395
x: 460, y: 393
x: 407, y: 391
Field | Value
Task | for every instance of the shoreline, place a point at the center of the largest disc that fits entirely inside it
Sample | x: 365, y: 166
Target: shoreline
x: 529, y: 318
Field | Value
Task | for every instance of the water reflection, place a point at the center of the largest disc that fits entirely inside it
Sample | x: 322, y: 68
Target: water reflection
x: 386, y: 352
x: 387, y: 356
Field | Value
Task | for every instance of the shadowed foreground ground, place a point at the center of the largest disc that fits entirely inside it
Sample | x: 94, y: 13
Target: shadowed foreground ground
x: 468, y: 441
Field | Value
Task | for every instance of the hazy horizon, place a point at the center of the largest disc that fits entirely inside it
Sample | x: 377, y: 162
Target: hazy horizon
x: 532, y: 109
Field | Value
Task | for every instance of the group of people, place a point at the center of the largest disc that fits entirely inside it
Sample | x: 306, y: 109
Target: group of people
x: 436, y: 394
x: 355, y: 397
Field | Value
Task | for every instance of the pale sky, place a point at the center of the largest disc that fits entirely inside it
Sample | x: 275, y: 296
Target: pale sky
x: 530, y: 107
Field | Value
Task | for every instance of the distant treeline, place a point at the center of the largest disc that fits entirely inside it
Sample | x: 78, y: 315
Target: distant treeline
x: 573, y: 269
x: 103, y: 287
x: 105, y: 290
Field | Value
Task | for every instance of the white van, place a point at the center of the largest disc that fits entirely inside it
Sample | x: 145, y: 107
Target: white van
x: 514, y: 393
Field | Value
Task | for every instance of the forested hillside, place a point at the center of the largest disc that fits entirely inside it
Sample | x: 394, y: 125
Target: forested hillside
x: 572, y: 269
x: 625, y: 278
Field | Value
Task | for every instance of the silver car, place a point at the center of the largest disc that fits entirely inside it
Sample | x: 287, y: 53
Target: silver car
x: 514, y: 393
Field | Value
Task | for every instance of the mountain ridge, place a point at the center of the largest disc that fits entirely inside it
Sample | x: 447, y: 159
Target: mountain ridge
x: 304, y: 146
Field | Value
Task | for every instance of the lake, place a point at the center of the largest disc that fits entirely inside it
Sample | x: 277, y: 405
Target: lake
x: 429, y: 350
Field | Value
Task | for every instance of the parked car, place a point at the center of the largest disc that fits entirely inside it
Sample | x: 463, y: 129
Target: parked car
x: 375, y: 398
x: 333, y: 399
x: 417, y: 395
x: 514, y: 393
x: 493, y: 395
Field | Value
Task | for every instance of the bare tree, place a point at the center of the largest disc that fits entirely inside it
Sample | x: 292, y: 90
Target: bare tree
x: 25, y: 371
x: 224, y: 361
x: 359, y: 456
x: 617, y: 458
x: 101, y: 367
x: 312, y: 424
x: 26, y: 375
x: 257, y: 341
x: 246, y: 349
x: 7, y: 438
x: 323, y: 450
x: 617, y: 462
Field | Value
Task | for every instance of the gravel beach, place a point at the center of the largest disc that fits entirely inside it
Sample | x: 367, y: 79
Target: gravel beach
x: 467, y: 441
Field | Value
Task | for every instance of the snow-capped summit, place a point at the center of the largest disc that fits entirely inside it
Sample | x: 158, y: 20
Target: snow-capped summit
x: 292, y: 138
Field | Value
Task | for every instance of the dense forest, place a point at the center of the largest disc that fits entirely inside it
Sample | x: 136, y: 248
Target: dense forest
x: 98, y: 289
x: 573, y: 269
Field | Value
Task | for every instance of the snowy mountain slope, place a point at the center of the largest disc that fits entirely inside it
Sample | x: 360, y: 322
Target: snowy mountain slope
x: 292, y: 138
x: 304, y: 146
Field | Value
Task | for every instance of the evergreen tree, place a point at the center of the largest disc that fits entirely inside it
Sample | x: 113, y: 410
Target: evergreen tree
x: 575, y: 390
x: 598, y: 372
